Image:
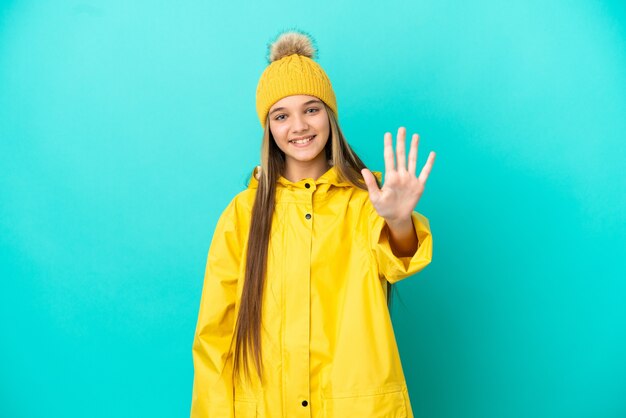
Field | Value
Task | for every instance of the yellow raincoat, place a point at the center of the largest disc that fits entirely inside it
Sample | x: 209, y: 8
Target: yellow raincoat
x: 328, y: 346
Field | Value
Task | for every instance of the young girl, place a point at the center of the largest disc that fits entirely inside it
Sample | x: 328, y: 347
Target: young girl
x: 294, y: 318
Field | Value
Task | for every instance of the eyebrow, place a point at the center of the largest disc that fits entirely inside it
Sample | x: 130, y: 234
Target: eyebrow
x: 303, y: 104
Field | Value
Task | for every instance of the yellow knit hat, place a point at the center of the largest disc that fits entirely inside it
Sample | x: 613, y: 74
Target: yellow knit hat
x: 291, y: 71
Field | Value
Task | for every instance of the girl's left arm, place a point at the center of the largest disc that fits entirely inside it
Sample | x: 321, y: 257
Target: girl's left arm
x: 402, y: 237
x: 397, y: 199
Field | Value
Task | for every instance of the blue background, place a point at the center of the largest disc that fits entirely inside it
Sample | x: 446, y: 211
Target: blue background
x: 127, y: 127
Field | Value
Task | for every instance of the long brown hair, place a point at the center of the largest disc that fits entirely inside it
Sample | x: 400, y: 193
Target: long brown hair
x: 248, y: 325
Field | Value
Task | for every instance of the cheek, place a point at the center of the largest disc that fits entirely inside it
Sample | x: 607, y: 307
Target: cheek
x: 325, y: 128
x: 324, y: 124
x: 279, y: 132
x: 279, y: 137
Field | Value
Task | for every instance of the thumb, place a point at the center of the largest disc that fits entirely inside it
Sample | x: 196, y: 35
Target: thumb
x: 370, y: 182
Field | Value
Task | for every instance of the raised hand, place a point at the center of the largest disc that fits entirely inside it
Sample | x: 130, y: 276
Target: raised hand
x: 401, y: 188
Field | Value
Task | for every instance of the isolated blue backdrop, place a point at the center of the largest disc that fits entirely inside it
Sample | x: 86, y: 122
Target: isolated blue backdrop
x: 127, y: 127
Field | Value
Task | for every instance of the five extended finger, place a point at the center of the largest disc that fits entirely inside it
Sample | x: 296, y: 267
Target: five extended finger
x: 388, y: 154
x: 427, y: 167
x: 370, y: 182
x: 413, y: 154
x: 401, y: 148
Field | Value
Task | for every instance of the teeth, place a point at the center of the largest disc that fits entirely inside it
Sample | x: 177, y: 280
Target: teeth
x: 303, y: 141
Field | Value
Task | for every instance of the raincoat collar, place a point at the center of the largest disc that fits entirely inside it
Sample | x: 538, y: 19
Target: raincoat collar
x: 331, y: 176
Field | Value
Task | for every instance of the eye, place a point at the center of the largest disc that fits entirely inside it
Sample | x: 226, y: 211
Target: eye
x: 278, y: 117
x: 313, y: 108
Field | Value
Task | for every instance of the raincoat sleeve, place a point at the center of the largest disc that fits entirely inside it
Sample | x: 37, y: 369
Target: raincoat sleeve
x: 212, y: 384
x: 397, y: 268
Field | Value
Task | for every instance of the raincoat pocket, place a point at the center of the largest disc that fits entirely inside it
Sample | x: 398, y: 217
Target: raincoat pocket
x: 245, y: 408
x: 380, y: 405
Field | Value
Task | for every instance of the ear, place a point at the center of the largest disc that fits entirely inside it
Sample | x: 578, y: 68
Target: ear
x: 258, y: 172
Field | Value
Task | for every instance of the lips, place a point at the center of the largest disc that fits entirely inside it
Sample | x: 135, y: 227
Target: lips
x: 302, y: 141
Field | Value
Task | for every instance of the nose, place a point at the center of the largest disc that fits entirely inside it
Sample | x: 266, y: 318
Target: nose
x: 299, y: 123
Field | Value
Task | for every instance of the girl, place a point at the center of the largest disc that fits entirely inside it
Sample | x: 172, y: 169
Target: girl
x: 294, y: 319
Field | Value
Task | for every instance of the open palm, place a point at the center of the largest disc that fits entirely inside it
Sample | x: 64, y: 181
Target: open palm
x: 401, y: 189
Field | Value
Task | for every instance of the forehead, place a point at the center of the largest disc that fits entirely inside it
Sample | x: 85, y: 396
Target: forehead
x: 296, y: 100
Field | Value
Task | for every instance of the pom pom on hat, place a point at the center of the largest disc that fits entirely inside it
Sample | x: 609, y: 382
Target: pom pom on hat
x: 289, y: 43
x: 292, y: 71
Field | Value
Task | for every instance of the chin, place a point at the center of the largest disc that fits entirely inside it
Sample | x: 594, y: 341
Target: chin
x: 305, y: 159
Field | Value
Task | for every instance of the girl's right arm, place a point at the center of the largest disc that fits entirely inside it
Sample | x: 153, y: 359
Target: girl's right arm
x: 212, y: 359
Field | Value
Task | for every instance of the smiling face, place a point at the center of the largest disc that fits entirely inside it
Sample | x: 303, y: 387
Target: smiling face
x: 293, y: 120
